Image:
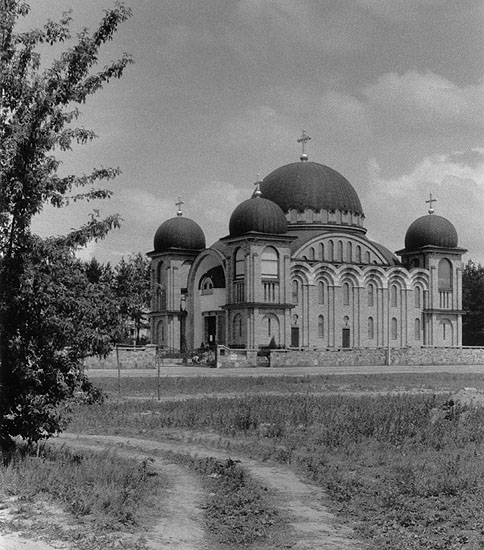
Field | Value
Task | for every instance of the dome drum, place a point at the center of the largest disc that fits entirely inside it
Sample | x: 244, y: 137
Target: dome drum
x: 324, y: 216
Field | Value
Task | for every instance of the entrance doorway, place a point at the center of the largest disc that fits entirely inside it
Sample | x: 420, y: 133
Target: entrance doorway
x: 346, y: 338
x: 295, y: 337
x: 211, y: 330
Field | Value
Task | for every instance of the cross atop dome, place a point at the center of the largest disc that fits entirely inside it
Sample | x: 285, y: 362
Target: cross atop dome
x: 430, y: 201
x: 304, y: 139
x: 257, y: 192
x: 179, y: 204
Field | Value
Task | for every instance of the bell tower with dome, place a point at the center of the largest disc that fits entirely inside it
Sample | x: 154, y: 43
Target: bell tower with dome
x: 177, y: 242
x: 431, y: 243
x: 258, y: 263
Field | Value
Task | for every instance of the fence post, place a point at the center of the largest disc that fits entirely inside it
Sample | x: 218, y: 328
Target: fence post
x: 119, y: 370
x: 159, y: 381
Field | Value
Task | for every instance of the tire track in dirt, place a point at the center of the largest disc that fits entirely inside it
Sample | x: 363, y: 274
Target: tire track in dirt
x: 313, y: 524
x: 180, y: 527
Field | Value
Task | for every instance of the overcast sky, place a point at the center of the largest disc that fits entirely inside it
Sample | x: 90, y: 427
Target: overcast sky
x: 391, y: 92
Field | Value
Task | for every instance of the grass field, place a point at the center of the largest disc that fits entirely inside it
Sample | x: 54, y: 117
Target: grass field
x: 404, y: 481
x: 177, y: 386
x: 403, y: 476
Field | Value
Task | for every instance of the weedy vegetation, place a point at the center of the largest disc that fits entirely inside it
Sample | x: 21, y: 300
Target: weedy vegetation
x: 238, y: 512
x: 147, y: 387
x: 407, y: 478
x: 106, y: 494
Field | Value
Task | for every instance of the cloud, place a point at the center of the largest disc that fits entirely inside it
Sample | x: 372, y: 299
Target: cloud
x: 261, y: 126
x: 400, y: 10
x: 344, y: 117
x: 282, y: 110
x: 295, y: 26
x: 425, y: 102
x: 212, y: 206
x: 392, y: 204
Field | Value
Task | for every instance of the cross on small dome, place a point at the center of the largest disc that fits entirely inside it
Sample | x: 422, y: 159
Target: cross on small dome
x: 430, y: 201
x: 304, y: 139
x: 179, y: 204
x: 257, y: 192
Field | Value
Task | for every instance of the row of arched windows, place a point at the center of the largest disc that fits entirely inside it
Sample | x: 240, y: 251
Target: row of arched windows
x: 393, y: 328
x: 347, y: 294
x: 339, y: 252
x: 371, y: 328
x: 237, y: 328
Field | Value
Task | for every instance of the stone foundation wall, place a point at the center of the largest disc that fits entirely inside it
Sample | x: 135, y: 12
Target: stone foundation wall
x: 378, y: 356
x: 235, y: 358
x: 145, y: 358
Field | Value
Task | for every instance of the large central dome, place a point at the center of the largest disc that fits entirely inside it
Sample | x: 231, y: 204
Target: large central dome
x: 303, y: 185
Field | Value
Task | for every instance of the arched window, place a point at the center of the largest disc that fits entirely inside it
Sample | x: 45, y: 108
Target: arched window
x: 371, y: 295
x: 417, y: 329
x: 271, y: 324
x: 393, y: 295
x: 321, y: 252
x: 331, y: 251
x: 349, y: 252
x: 414, y: 263
x: 346, y: 294
x: 320, y: 292
x: 239, y: 263
x: 371, y: 328
x: 340, y: 251
x: 207, y: 285
x: 269, y: 263
x: 418, y: 297
x: 295, y: 292
x: 312, y: 254
x: 445, y: 274
x: 394, y: 328
x: 358, y: 254
x: 368, y: 257
x: 161, y: 332
x: 320, y: 326
x: 159, y: 271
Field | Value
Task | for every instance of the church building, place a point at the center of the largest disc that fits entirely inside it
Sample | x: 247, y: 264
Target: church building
x: 298, y: 270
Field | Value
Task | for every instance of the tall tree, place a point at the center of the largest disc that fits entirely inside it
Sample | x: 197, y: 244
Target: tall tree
x: 49, y: 315
x: 473, y: 304
x: 132, y: 288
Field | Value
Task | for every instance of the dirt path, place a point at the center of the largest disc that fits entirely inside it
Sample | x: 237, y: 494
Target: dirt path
x: 178, y: 526
x: 314, y: 526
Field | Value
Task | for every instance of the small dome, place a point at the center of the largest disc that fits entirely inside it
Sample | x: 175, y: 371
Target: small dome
x: 179, y: 232
x: 430, y: 230
x: 257, y: 214
x: 302, y: 185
